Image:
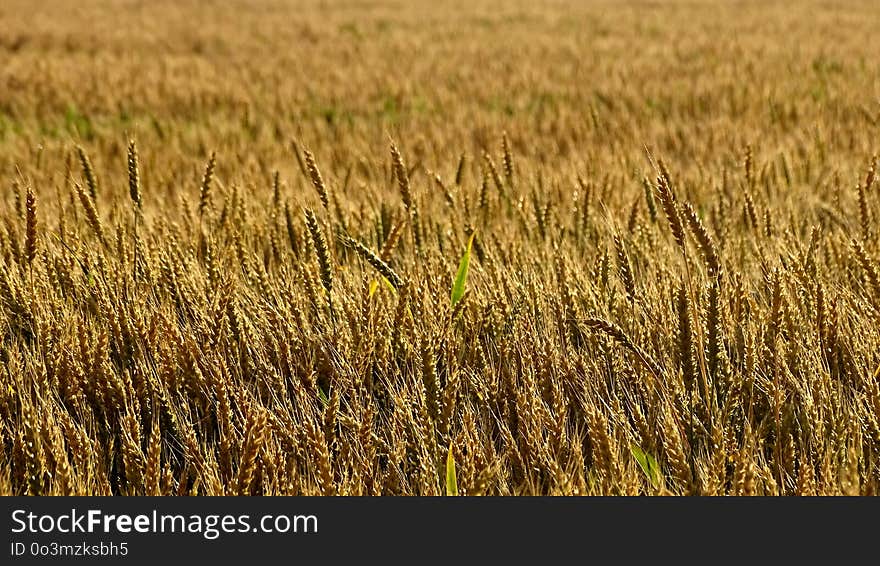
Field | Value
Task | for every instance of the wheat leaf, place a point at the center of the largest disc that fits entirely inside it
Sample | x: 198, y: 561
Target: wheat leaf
x: 648, y: 465
x: 451, y: 481
x: 458, y: 287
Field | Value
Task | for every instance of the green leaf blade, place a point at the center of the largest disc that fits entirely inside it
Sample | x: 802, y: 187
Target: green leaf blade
x: 458, y: 286
x: 648, y: 465
x: 451, y: 480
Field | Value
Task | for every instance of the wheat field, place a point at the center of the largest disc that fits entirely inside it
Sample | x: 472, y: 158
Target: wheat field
x: 540, y: 247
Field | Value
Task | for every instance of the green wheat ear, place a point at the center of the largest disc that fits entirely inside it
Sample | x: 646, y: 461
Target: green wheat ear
x: 451, y: 481
x: 648, y: 464
x: 458, y: 287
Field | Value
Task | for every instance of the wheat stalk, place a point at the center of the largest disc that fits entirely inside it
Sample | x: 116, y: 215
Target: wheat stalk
x: 373, y: 259
x: 88, y: 172
x: 30, y: 240
x: 205, y: 190
x: 322, y: 253
x: 316, y: 178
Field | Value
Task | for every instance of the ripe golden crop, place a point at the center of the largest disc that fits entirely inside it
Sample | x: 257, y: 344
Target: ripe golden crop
x: 481, y: 247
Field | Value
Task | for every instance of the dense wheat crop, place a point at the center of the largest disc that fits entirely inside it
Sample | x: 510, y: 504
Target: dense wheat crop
x: 278, y: 247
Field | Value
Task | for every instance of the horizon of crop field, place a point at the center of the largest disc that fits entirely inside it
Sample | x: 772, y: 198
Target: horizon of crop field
x: 427, y: 248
